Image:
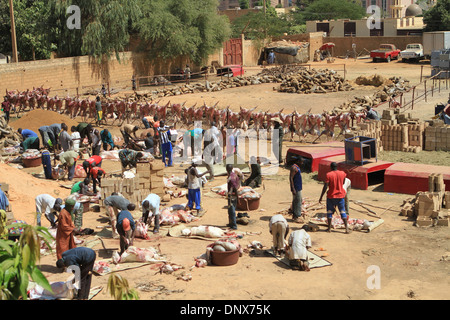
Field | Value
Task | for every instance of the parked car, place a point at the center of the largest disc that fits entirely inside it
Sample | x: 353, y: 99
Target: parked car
x: 413, y: 52
x: 386, y: 52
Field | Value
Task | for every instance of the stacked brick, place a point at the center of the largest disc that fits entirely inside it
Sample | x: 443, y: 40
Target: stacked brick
x: 437, y: 136
x: 369, y: 129
x: 399, y: 132
x: 432, y: 207
x: 149, y: 178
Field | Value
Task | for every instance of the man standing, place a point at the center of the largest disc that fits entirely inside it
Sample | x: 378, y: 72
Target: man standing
x: 84, y: 258
x: 166, y: 145
x: 76, y: 138
x: 64, y: 233
x: 232, y: 189
x: 113, y: 204
x: 98, y: 108
x: 6, y: 107
x: 187, y: 74
x: 126, y: 228
x: 298, y: 244
x: 151, y: 204
x: 277, y: 141
x: 49, y: 206
x: 336, y: 195
x: 279, y: 230
x: 96, y: 141
x: 295, y: 179
x: 194, y: 183
x: 65, y: 140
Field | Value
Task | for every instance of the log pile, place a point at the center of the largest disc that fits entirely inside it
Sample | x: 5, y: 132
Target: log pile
x: 8, y: 136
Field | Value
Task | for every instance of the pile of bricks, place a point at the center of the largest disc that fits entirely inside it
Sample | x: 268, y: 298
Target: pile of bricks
x: 369, y: 129
x: 149, y: 178
x: 429, y: 208
x: 437, y: 136
x: 406, y: 137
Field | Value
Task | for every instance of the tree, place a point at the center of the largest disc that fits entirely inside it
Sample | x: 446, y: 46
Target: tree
x: 257, y: 27
x: 18, y: 262
x: 105, y: 27
x: 438, y: 17
x: 33, y: 29
x: 332, y: 9
x: 244, y: 4
x: 177, y: 28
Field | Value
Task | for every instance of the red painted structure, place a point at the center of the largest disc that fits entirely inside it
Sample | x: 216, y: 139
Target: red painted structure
x: 236, y: 70
x: 358, y: 174
x: 411, y: 178
x: 318, y: 152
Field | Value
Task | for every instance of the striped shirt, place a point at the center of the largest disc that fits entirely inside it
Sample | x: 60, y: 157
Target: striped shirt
x: 164, y: 134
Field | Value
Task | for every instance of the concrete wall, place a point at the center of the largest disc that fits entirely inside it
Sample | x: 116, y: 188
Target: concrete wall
x: 370, y: 43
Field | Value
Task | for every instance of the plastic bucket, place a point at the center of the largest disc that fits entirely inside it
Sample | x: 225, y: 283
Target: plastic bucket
x: 224, y: 258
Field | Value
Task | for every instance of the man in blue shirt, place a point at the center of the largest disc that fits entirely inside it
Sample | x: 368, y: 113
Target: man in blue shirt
x: 26, y: 133
x: 4, y: 203
x: 125, y: 228
x: 295, y: 179
x: 166, y: 145
x: 84, y: 258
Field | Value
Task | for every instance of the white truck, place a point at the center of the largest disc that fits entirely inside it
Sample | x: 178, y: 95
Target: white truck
x: 435, y: 40
x: 413, y: 52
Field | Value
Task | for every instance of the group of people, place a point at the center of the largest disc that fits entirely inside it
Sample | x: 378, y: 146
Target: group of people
x: 336, y: 187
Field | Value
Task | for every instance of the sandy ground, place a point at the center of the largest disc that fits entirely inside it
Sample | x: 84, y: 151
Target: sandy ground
x: 408, y: 258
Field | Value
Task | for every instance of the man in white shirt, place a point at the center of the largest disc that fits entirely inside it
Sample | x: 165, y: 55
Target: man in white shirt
x: 298, y: 244
x: 151, y: 204
x: 347, y: 187
x: 279, y: 229
x: 194, y: 184
x: 76, y: 138
x: 49, y: 206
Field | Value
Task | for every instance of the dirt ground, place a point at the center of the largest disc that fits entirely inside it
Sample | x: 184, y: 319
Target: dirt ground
x: 408, y: 258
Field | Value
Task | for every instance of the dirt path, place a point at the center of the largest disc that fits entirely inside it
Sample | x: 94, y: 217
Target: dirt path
x: 408, y: 258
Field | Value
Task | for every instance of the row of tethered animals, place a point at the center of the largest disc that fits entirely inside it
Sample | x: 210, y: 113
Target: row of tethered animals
x: 132, y: 110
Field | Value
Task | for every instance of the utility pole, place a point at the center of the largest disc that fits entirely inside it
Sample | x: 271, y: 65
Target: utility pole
x: 13, y: 32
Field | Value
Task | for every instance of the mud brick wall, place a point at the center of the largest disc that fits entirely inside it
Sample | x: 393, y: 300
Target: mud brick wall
x: 437, y: 137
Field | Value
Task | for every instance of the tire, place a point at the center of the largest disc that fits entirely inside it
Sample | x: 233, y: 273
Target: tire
x: 374, y: 60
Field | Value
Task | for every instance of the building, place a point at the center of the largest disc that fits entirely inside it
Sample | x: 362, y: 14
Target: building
x: 398, y: 8
x: 233, y: 4
x: 387, y: 27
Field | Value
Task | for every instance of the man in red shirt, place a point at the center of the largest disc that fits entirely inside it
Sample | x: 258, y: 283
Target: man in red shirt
x: 96, y: 175
x: 336, y: 195
x: 94, y: 161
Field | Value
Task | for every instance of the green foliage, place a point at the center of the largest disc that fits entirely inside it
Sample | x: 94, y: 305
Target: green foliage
x: 105, y: 27
x: 119, y: 289
x: 33, y: 27
x: 244, y: 4
x: 257, y: 26
x: 332, y: 9
x: 18, y: 263
x: 438, y: 17
x: 176, y: 28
